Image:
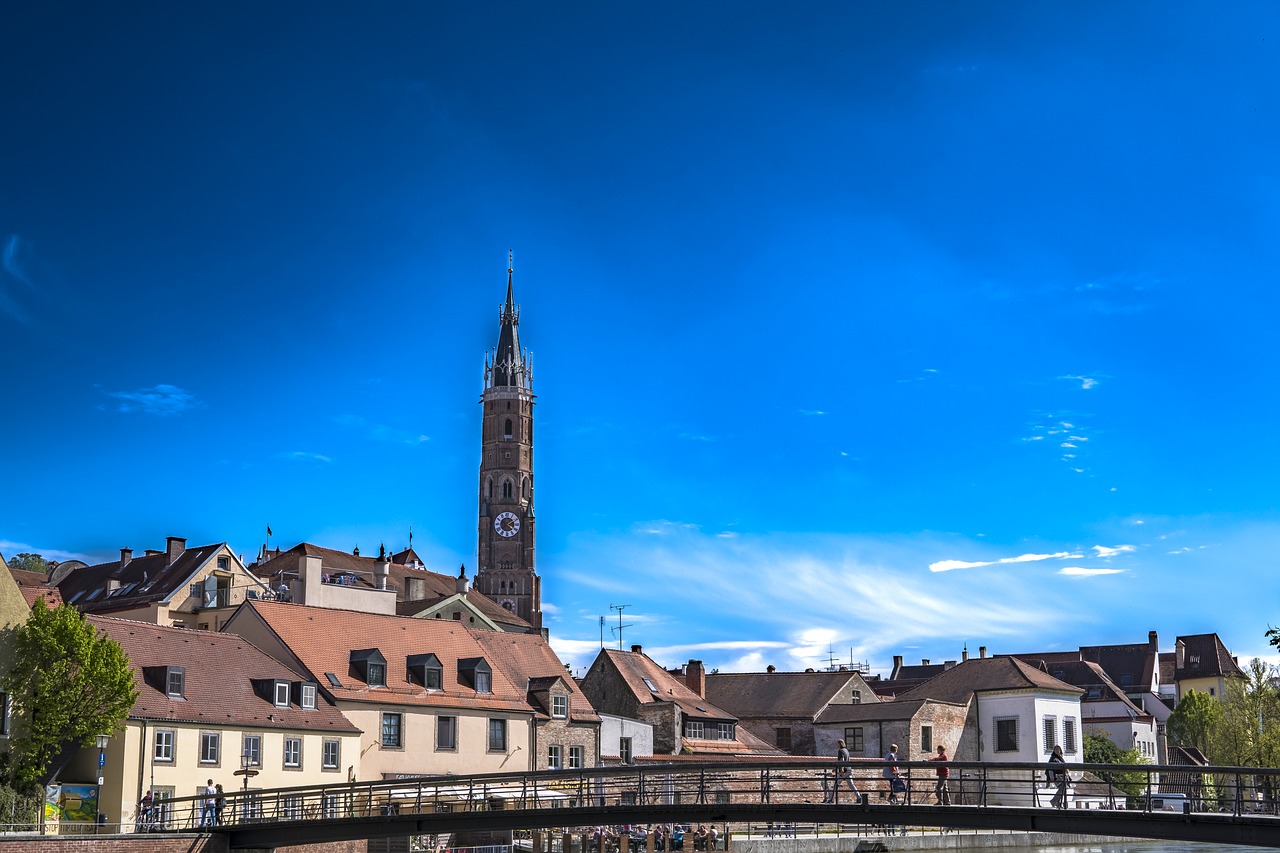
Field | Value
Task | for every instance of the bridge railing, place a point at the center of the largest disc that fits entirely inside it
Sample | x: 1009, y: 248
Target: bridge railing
x: 801, y: 783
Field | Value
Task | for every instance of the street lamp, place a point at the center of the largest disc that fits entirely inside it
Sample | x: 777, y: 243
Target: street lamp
x: 103, y: 740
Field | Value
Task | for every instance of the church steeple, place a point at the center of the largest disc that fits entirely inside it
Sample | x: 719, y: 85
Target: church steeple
x: 510, y: 365
x: 505, y: 548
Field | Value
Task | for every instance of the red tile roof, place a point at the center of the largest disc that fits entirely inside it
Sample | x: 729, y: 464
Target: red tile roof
x: 323, y: 640
x: 218, y: 683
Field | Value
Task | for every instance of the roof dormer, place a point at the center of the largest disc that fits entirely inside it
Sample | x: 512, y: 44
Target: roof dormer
x: 369, y: 666
x: 425, y: 670
x: 169, y: 680
x: 476, y: 674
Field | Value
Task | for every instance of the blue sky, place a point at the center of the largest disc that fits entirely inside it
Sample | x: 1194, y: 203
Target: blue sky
x: 858, y: 328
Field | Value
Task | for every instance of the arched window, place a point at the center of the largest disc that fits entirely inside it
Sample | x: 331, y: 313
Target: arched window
x: 507, y: 434
x: 506, y: 489
x: 525, y: 488
x: 488, y: 489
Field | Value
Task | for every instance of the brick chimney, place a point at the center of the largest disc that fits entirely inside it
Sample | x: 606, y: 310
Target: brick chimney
x: 174, y: 548
x: 636, y: 649
x: 126, y: 554
x: 695, y: 677
x: 982, y: 651
x: 1152, y: 641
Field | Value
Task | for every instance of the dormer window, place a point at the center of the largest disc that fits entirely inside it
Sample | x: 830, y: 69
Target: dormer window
x: 476, y: 674
x: 369, y: 666
x: 559, y: 706
x: 308, y: 696
x: 425, y: 670
x: 175, y: 681
x: 281, y: 694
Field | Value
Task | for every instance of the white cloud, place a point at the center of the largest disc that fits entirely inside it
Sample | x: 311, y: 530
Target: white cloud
x: 302, y: 454
x: 1086, y: 382
x: 160, y: 400
x: 1081, y: 572
x: 951, y: 565
x: 812, y: 412
x: 9, y: 548
x: 1104, y: 551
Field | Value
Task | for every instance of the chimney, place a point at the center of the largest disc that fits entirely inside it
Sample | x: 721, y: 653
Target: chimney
x: 152, y: 552
x: 414, y: 589
x: 964, y: 654
x: 770, y: 668
x: 982, y: 651
x: 126, y: 554
x: 695, y: 677
x: 1152, y: 641
x: 381, y: 569
x: 636, y: 649
x: 924, y: 661
x: 1181, y: 654
x: 948, y: 664
x: 174, y: 548
x: 897, y: 666
x: 460, y: 585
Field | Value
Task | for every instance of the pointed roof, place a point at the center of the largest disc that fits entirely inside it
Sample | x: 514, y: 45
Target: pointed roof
x: 980, y: 675
x: 138, y: 581
x: 508, y: 367
x: 1204, y: 655
x: 782, y: 694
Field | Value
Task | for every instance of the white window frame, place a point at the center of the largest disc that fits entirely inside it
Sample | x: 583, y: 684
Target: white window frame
x: 164, y: 746
x: 559, y: 706
x: 575, y: 757
x: 693, y: 729
x: 555, y: 757
x: 330, y: 754
x: 724, y: 731
x: 251, y: 746
x: 210, y: 747
x: 282, y: 694
x: 308, y: 696
x: 293, y: 753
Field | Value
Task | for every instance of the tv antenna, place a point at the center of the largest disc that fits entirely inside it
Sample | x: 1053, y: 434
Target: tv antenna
x: 618, y: 631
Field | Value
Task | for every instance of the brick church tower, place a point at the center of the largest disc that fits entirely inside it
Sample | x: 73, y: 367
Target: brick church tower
x: 506, y: 570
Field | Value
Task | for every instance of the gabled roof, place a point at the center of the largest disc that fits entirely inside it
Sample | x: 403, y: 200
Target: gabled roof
x: 142, y: 580
x: 322, y: 639
x: 1091, y: 678
x: 982, y: 675
x: 218, y: 680
x: 1133, y: 666
x: 902, y: 709
x: 35, y: 585
x: 1205, y: 656
x: 433, y: 586
x: 639, y: 671
x: 797, y: 695
x: 531, y: 658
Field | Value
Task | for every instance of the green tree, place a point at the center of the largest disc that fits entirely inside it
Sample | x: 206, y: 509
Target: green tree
x: 1100, y: 749
x: 1195, y: 722
x: 68, y: 684
x: 29, y: 563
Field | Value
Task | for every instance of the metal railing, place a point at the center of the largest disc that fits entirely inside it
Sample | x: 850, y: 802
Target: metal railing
x: 791, y: 790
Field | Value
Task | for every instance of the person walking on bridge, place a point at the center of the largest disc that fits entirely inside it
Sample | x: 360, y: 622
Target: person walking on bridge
x: 844, y: 773
x: 940, y: 792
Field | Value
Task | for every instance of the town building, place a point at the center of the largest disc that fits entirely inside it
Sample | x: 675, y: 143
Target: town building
x: 184, y: 587
x: 1202, y: 663
x: 431, y: 695
x: 507, y: 572
x: 781, y: 707
x: 211, y: 704
x: 633, y: 686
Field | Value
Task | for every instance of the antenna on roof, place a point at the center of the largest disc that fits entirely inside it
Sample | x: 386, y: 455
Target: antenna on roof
x: 831, y: 659
x: 602, y: 632
x: 619, y: 608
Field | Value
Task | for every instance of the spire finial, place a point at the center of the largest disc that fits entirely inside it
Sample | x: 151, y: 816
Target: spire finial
x: 510, y: 260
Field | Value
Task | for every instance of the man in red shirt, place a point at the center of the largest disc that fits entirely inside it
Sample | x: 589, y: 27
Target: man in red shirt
x: 940, y: 787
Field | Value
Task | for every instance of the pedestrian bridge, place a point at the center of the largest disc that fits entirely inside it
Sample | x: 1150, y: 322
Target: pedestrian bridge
x: 1229, y: 805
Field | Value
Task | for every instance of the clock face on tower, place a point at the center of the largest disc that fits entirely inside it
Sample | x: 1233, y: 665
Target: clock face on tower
x: 506, y: 524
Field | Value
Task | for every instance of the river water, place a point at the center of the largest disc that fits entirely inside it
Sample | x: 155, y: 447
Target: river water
x: 1149, y: 847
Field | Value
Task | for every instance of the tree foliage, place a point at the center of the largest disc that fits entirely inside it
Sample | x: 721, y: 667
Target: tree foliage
x: 1100, y: 749
x: 1249, y: 735
x: 28, y: 563
x: 1195, y: 722
x: 68, y: 684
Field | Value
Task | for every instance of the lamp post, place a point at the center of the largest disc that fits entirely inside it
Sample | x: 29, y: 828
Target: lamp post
x: 103, y: 740
x: 246, y: 770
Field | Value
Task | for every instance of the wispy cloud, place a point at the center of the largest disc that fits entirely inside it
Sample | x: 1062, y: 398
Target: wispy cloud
x: 926, y: 374
x: 694, y: 436
x: 1065, y: 433
x: 1082, y: 572
x: 8, y: 547
x: 381, y: 432
x: 1105, y: 551
x: 304, y: 455
x: 812, y: 412
x: 15, y: 276
x: 1086, y: 382
x: 952, y: 565
x: 161, y: 400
